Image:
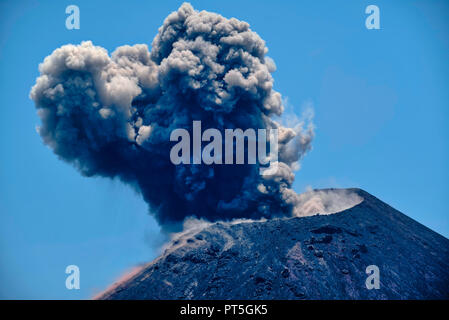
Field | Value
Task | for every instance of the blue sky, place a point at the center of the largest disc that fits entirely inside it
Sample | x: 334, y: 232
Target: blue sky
x: 381, y: 111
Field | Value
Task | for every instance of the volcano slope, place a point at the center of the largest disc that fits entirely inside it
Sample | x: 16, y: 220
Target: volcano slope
x: 316, y: 257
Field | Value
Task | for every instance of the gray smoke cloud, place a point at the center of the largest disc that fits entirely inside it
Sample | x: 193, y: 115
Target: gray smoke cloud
x: 112, y: 115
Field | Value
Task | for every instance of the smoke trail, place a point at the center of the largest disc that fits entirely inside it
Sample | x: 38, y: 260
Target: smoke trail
x: 326, y: 201
x: 112, y: 116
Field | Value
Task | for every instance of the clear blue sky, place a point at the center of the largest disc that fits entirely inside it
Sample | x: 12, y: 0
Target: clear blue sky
x: 381, y: 101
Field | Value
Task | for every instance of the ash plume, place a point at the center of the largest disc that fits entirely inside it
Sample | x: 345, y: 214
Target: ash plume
x: 112, y: 115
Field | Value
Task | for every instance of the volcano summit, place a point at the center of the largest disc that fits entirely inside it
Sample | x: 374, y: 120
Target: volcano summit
x: 312, y: 257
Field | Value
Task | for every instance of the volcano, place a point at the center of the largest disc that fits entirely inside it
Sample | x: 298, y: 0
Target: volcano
x: 314, y: 257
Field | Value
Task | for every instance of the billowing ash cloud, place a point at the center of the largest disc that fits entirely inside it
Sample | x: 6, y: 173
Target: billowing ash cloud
x: 112, y: 116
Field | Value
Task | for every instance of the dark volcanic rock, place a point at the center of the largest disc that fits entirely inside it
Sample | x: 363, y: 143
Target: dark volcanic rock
x: 318, y: 257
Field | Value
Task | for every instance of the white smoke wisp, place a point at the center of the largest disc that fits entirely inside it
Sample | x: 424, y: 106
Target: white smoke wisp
x: 193, y: 226
x: 325, y: 202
